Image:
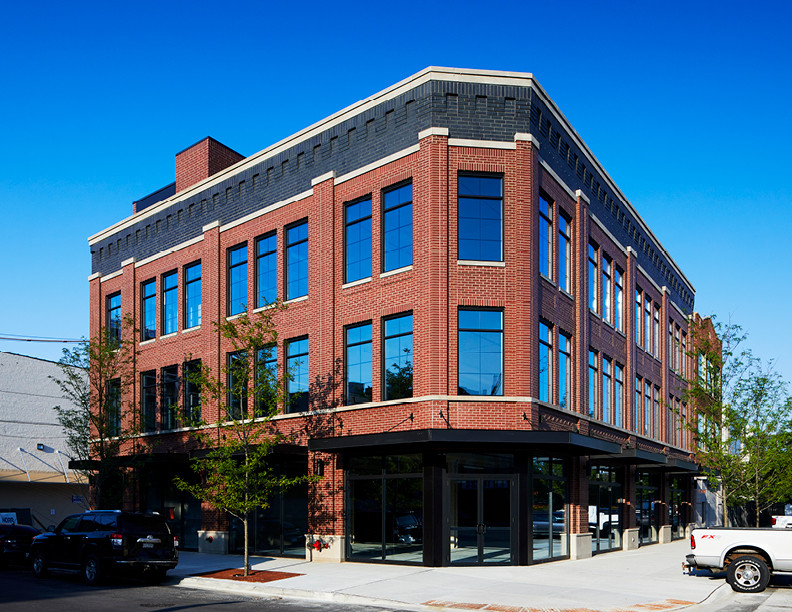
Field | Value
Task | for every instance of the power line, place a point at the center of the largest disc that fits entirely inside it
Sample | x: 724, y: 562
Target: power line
x: 18, y: 338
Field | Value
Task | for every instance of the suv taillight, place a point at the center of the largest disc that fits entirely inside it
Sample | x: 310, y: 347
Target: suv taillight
x: 773, y: 521
x: 117, y: 539
x: 692, y: 542
x: 175, y: 541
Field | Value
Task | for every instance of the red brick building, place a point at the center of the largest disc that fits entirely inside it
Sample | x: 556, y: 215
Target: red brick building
x: 490, y: 342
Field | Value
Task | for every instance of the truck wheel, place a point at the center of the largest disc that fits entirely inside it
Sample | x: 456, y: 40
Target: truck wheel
x: 38, y: 564
x: 748, y: 574
x: 92, y: 570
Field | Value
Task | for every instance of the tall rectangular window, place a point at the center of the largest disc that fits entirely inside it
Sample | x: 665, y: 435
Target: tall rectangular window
x: 266, y: 270
x: 297, y: 260
x: 297, y: 369
x: 237, y: 365
x: 358, y: 364
x: 192, y: 295
x: 169, y: 397
x: 398, y: 356
x: 192, y: 393
x: 638, y: 412
x: 480, y: 352
x: 606, y: 289
x: 592, y: 277
x: 656, y: 332
x: 638, y: 317
x: 114, y: 318
x: 170, y: 303
x: 593, y: 386
x: 545, y: 362
x: 647, y: 346
x: 684, y: 355
x: 114, y: 407
x: 564, y: 254
x: 647, y: 408
x: 618, y: 310
x: 607, y: 386
x: 149, y: 307
x: 237, y: 279
x: 148, y: 385
x: 545, y: 237
x: 480, y: 226
x: 677, y: 348
x: 266, y: 400
x: 656, y: 413
x: 564, y: 370
x: 397, y: 228
x: 357, y: 240
x: 618, y: 395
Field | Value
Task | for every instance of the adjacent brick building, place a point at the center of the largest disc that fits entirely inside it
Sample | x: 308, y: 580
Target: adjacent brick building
x: 490, y: 342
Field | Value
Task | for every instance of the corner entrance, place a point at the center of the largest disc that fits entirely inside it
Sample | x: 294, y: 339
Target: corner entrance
x: 480, y: 520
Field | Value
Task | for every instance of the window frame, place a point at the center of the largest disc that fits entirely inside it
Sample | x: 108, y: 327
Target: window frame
x: 261, y: 299
x: 231, y: 269
x: 564, y: 247
x: 189, y: 284
x: 618, y: 298
x: 593, y: 384
x: 169, y: 388
x: 348, y: 224
x: 360, y: 343
x: 546, y: 346
x: 287, y: 258
x: 148, y: 309
x: 593, y: 277
x: 192, y: 410
x: 461, y: 330
x: 385, y: 338
x: 384, y: 225
x: 294, y: 404
x: 170, y: 301
x: 546, y: 236
x: 565, y: 399
x: 113, y: 322
x: 501, y: 199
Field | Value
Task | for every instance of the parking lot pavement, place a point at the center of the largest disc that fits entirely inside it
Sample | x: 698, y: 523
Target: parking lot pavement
x: 647, y: 578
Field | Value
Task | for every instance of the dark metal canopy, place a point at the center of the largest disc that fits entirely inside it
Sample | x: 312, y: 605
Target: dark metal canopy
x: 543, y: 441
x: 634, y: 456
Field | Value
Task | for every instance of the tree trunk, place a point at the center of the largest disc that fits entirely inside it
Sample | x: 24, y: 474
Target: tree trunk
x: 247, y: 552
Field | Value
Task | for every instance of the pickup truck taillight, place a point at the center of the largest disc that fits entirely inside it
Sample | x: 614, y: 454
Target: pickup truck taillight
x: 117, y: 539
x: 773, y: 521
x: 692, y: 542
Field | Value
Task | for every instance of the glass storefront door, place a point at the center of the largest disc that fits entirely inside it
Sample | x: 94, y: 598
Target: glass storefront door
x: 678, y: 509
x: 480, y: 520
x: 646, y: 510
x: 604, y: 511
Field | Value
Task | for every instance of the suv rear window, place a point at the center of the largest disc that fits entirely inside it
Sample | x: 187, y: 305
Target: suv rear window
x: 149, y: 524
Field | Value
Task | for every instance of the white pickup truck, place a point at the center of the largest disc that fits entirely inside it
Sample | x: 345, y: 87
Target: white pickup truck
x: 749, y: 555
x: 782, y: 521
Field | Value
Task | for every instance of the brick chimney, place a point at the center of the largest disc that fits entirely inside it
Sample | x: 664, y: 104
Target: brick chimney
x: 203, y: 159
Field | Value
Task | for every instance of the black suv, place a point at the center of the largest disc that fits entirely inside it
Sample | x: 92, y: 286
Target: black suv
x: 97, y: 542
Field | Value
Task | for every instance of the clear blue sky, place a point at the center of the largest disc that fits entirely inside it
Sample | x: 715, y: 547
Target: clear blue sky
x: 686, y: 104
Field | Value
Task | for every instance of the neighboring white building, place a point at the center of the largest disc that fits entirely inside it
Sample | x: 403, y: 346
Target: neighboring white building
x: 35, y: 479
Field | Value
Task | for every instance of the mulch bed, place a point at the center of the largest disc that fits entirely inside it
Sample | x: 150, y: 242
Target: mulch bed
x: 254, y: 576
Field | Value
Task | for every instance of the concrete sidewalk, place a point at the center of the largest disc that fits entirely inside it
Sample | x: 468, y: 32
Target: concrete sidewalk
x: 649, y: 578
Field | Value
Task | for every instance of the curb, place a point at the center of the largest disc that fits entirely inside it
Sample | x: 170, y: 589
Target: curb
x: 233, y: 586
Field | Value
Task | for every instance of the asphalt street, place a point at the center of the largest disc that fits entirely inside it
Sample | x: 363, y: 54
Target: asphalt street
x: 21, y: 592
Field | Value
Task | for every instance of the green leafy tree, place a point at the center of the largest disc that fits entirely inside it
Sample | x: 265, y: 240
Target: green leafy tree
x: 235, y: 474
x: 98, y: 422
x: 744, y: 418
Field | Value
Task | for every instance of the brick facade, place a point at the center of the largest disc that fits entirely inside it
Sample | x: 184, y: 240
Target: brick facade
x: 426, y: 130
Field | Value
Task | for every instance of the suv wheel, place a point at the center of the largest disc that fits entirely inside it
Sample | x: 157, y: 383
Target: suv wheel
x: 38, y: 563
x: 92, y: 570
